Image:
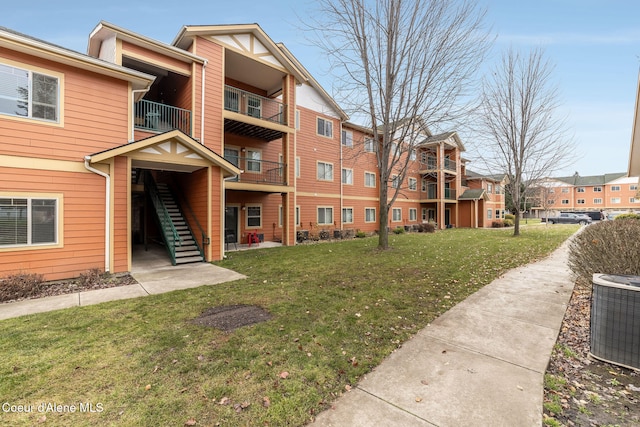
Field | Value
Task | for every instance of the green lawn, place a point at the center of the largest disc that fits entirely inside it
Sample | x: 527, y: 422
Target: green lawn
x: 338, y: 309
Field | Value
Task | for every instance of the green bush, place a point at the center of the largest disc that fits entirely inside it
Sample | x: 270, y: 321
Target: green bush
x: 20, y: 285
x: 627, y: 216
x: 510, y: 217
x: 497, y: 224
x: 398, y: 230
x: 507, y: 222
x: 429, y: 227
x: 360, y: 234
x: 608, y: 247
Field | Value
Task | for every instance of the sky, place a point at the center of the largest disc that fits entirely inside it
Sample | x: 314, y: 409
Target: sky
x: 594, y: 46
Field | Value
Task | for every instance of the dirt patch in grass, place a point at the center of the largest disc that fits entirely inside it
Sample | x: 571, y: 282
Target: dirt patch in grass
x: 583, y: 391
x: 232, y: 317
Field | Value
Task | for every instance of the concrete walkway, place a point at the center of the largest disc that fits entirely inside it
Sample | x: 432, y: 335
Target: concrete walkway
x: 481, y: 363
x: 152, y: 270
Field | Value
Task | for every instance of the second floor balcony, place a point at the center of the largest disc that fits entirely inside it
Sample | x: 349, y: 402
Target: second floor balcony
x: 157, y: 117
x: 259, y: 171
x: 431, y: 164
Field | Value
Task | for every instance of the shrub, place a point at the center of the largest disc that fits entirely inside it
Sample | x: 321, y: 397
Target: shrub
x: 398, y: 230
x: 507, y: 222
x: 627, y: 216
x: 497, y: 224
x: 91, y: 277
x: 429, y: 227
x: 20, y: 285
x: 360, y: 234
x: 608, y: 247
x: 510, y: 217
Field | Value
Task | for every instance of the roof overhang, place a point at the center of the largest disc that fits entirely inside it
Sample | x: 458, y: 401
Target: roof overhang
x: 169, y: 151
x: 40, y: 49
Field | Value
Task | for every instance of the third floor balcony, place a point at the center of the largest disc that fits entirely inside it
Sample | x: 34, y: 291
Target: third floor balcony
x: 431, y: 164
x: 270, y: 114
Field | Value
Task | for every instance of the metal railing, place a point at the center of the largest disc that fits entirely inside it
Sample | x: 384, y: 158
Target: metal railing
x: 431, y: 163
x: 157, y: 117
x: 259, y: 171
x: 450, y: 194
x: 253, y: 105
x: 191, y: 217
x: 169, y: 233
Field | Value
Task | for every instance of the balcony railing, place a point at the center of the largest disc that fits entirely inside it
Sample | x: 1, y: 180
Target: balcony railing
x: 432, y: 193
x: 259, y: 171
x: 252, y: 105
x: 431, y: 163
x: 157, y: 117
x: 450, y: 194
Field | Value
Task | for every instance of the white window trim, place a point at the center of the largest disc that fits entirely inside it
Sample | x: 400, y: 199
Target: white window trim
x: 350, y: 208
x: 346, y: 138
x: 369, y: 142
x: 297, y: 119
x: 615, y: 200
x: 581, y: 201
x: 318, y: 170
x: 246, y: 216
x: 415, y: 184
x: 413, y: 212
x: 375, y: 179
x: 247, y: 160
x: 31, y: 69
x: 318, y: 215
x: 615, y: 188
x: 297, y: 167
x: 325, y: 120
x: 597, y: 201
x: 393, y: 215
x: 59, y: 224
x: 349, y: 173
x: 375, y: 215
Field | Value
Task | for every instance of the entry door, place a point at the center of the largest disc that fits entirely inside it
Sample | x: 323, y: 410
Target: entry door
x: 231, y: 224
x: 447, y: 217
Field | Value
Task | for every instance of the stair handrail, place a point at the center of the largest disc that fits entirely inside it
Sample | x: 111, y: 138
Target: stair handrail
x: 185, y: 202
x: 163, y: 217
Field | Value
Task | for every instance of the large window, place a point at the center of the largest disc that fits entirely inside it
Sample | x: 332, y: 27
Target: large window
x: 615, y: 188
x: 369, y: 214
x: 579, y: 201
x: 413, y: 214
x: 369, y: 146
x: 25, y: 93
x: 395, y: 181
x: 396, y: 215
x: 413, y: 184
x: 325, y: 171
x: 615, y: 200
x: 597, y: 189
x: 325, y: 215
x: 597, y: 201
x: 28, y: 221
x: 370, y: 179
x: 325, y: 127
x: 580, y: 189
x: 254, y: 163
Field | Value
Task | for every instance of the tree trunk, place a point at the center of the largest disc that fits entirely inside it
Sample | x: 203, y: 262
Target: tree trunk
x: 383, y: 233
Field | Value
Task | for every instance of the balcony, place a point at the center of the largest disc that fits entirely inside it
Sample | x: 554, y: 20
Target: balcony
x: 430, y: 164
x: 259, y: 171
x: 254, y: 106
x: 156, y: 117
x: 432, y: 193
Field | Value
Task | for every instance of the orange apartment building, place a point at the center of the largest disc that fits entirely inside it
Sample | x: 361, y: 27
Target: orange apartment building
x: 614, y: 192
x: 216, y: 138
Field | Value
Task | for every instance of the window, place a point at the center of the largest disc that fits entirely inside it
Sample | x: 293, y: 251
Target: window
x: 615, y: 200
x: 413, y: 155
x: 297, y: 167
x: 423, y: 185
x: 325, y: 216
x: 565, y: 201
x: 413, y: 214
x: 325, y: 171
x: 395, y: 181
x: 424, y: 215
x: 565, y: 190
x: 280, y: 215
x: 297, y: 215
x: 489, y: 188
x: 498, y: 189
x: 597, y: 189
x: 489, y: 214
x: 253, y: 161
x: 633, y: 187
x: 370, y: 179
x: 254, y: 216
x: 396, y: 215
x: 347, y: 176
x: 633, y: 200
x: 25, y: 93
x: 615, y: 188
x: 297, y: 119
x: 552, y: 190
x: 498, y: 216
x: 347, y: 215
x: 28, y: 221
x: 551, y: 202
x: 325, y: 127
x: 597, y: 201
x: 369, y: 214
x: 254, y: 106
x: 580, y: 190
x: 369, y: 146
x: 413, y: 184
x: 580, y: 201
x: 347, y: 138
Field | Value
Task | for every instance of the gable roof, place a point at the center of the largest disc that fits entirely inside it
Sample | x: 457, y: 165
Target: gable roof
x: 578, y: 180
x: 450, y: 138
x: 19, y: 42
x: 172, y: 150
x: 476, y: 175
x: 474, y: 194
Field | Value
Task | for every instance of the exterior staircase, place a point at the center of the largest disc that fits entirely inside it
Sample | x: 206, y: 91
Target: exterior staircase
x: 176, y: 234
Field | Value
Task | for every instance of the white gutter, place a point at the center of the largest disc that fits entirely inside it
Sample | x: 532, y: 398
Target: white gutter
x: 107, y: 214
x: 341, y: 184
x: 204, y: 67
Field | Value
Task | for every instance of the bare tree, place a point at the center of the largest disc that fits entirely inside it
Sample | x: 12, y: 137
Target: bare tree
x: 523, y: 134
x: 403, y: 67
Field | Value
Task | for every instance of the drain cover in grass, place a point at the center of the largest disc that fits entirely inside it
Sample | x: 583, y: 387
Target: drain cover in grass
x: 230, y: 317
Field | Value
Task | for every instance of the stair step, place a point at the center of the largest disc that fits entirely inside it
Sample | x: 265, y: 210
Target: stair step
x: 187, y: 248
x: 189, y: 259
x: 183, y: 254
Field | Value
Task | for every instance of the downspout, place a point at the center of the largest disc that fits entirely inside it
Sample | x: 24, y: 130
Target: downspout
x: 204, y: 69
x: 107, y: 208
x: 341, y: 184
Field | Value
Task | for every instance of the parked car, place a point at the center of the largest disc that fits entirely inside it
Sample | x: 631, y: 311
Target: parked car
x: 569, y: 218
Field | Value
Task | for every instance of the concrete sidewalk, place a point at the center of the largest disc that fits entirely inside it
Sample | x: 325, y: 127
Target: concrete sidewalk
x: 481, y: 363
x: 155, y: 275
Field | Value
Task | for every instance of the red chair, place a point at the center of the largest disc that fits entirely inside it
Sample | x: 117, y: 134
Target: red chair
x: 253, y: 238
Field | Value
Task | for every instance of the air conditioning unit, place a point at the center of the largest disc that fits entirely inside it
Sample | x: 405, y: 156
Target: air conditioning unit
x: 615, y: 319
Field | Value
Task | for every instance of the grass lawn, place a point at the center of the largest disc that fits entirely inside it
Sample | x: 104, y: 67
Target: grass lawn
x: 338, y: 310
